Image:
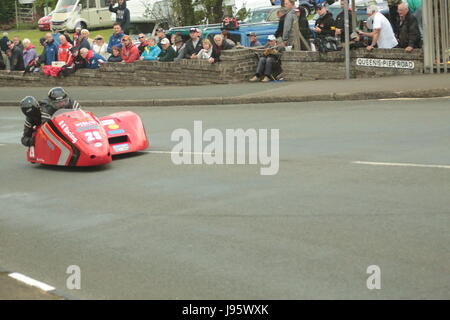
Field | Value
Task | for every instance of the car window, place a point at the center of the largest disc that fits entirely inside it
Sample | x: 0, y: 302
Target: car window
x: 273, y: 16
x: 104, y: 3
x: 84, y: 4
x: 92, y: 4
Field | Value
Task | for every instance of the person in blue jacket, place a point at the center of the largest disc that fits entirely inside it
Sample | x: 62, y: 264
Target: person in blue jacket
x: 51, y: 49
x: 151, y: 52
x: 93, y: 60
x: 116, y: 37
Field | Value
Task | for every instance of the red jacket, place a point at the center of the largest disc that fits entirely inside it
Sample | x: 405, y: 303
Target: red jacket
x: 64, y: 52
x: 130, y: 53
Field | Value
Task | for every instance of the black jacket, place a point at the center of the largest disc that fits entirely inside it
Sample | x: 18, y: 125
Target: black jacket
x: 16, y: 60
x: 84, y: 43
x: 409, y: 33
x: 340, y: 23
x: 217, y: 51
x: 190, y: 50
x: 122, y: 16
x: 303, y: 24
x: 114, y: 58
x: 279, y: 32
x: 327, y: 24
x: 3, y: 45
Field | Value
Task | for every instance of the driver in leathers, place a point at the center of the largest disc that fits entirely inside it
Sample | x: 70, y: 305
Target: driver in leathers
x: 40, y: 112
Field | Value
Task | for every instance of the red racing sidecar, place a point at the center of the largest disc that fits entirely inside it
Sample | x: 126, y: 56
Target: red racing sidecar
x: 79, y: 138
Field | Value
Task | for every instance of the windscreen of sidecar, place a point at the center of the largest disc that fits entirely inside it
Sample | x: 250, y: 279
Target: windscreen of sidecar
x: 82, y: 125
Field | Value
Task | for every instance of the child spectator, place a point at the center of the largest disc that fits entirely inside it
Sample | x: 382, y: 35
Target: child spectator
x: 115, y: 56
x: 206, y: 52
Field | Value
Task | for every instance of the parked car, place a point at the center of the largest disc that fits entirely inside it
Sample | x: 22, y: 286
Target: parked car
x: 262, y: 14
x: 44, y: 22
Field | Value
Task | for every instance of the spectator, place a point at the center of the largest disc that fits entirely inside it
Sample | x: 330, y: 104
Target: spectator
x: 193, y: 45
x: 93, y: 60
x: 218, y: 46
x: 74, y: 63
x: 281, y: 13
x: 252, y: 40
x: 415, y: 8
x: 15, y: 57
x: 177, y: 42
x: 29, y: 52
x: 84, y: 41
x: 226, y: 38
x: 167, y: 53
x: 76, y: 36
x: 55, y: 35
x: 382, y: 35
x: 143, y: 43
x: 4, y: 41
x: 161, y: 35
x: 64, y: 54
x: 303, y: 24
x: 115, y: 56
x: 42, y: 57
x: 151, y: 51
x: 290, y: 17
x: 51, y: 49
x: 67, y: 35
x: 393, y: 14
x: 325, y: 25
x: 116, y: 37
x: 17, y: 43
x: 130, y: 52
x: 340, y: 21
x: 267, y: 62
x: 100, y: 47
x: 206, y: 52
x: 122, y: 14
x: 409, y: 33
x: 3, y: 48
x: 2, y: 63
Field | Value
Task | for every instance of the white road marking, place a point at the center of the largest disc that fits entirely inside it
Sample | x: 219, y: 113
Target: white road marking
x: 402, y: 164
x: 1, y: 144
x: 172, y: 152
x: 31, y: 282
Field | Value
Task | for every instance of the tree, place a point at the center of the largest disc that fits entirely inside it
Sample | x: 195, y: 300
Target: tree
x: 7, y: 11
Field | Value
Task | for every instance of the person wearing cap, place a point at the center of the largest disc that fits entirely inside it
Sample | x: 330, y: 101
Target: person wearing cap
x: 253, y: 40
x: 122, y: 14
x: 15, y: 57
x: 100, y: 47
x: 193, y: 45
x: 288, y: 33
x: 151, y: 51
x: 116, y: 37
x: 325, y: 24
x: 167, y: 53
x: 130, y: 52
x: 268, y: 61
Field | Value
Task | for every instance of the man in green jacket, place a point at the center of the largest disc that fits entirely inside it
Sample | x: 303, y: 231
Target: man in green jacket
x: 167, y: 54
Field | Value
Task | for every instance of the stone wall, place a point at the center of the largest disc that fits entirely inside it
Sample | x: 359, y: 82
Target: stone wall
x: 236, y: 66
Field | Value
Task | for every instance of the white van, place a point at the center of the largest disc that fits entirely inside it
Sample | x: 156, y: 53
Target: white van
x: 145, y: 14
x: 89, y: 14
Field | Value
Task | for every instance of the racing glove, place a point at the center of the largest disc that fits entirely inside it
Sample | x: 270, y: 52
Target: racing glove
x: 27, y: 141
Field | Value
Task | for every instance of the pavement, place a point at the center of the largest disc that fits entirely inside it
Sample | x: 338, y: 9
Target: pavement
x: 417, y: 86
x: 145, y: 228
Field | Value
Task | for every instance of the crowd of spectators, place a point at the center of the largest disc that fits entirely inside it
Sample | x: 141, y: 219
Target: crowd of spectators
x: 79, y: 50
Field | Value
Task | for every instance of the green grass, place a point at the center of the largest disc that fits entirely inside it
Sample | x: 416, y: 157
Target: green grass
x: 34, y: 35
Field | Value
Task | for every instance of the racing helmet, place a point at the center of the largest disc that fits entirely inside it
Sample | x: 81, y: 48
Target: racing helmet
x: 30, y: 108
x: 58, y: 98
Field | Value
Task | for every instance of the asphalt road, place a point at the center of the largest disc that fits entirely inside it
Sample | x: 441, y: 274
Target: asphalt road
x: 145, y: 228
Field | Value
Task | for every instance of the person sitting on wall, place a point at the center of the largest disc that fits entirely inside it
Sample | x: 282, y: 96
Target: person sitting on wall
x: 115, y: 56
x: 167, y: 53
x: 93, y: 60
x: 382, y: 35
x: 219, y: 45
x: 325, y: 25
x: 130, y: 52
x: 269, y: 66
x: 408, y: 32
x: 151, y: 51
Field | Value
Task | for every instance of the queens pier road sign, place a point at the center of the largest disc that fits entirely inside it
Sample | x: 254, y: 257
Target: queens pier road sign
x: 384, y: 63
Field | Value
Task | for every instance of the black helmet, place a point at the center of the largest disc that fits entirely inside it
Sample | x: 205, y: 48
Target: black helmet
x: 58, y: 98
x: 30, y: 108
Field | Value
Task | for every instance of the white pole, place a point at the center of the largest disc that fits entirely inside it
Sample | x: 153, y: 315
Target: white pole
x: 347, y: 41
